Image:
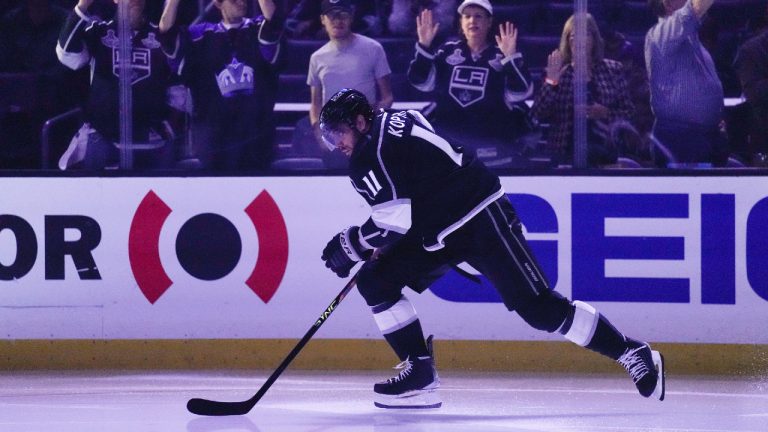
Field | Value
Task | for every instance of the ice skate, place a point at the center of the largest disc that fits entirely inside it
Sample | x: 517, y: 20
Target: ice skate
x: 646, y: 367
x: 414, y: 387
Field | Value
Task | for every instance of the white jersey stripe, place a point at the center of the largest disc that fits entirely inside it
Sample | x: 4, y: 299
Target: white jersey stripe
x: 511, y: 97
x: 421, y: 119
x: 393, y: 215
x: 458, y: 224
x: 381, y: 161
x: 438, y: 142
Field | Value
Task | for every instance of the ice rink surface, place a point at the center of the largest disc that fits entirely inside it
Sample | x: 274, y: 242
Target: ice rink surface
x: 323, y: 401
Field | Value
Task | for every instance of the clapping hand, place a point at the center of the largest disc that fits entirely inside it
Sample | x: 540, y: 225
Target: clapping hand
x: 426, y: 28
x: 507, y: 39
x: 555, y: 66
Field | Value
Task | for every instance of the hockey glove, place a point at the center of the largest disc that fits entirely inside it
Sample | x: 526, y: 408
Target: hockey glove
x: 344, y: 250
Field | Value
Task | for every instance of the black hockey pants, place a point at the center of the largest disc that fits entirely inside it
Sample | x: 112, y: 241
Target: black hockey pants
x: 493, y: 243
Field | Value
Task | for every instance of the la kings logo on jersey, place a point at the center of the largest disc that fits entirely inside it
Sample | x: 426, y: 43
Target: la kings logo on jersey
x: 468, y: 84
x: 236, y: 78
x: 141, y: 65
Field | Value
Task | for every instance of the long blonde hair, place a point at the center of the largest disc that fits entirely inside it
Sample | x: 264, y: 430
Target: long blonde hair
x: 598, y: 45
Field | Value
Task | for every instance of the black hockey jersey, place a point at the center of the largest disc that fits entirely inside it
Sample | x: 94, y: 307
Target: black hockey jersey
x: 415, y: 181
x: 84, y: 40
x: 233, y: 69
x: 486, y: 94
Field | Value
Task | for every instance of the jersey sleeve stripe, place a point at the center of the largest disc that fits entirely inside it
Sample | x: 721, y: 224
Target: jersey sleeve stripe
x: 428, y: 84
x: 438, y: 142
x: 421, y: 119
x: 83, y: 20
x: 424, y: 52
x: 381, y: 160
x: 510, y: 97
x: 82, y: 15
x: 393, y: 215
x: 72, y: 60
x: 364, y: 240
x: 439, y: 244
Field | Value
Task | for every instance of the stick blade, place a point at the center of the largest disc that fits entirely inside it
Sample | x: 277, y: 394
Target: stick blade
x: 205, y: 407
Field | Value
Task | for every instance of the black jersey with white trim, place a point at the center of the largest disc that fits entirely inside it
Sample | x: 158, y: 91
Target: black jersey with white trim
x: 233, y: 68
x: 85, y: 40
x: 415, y: 181
x: 486, y: 92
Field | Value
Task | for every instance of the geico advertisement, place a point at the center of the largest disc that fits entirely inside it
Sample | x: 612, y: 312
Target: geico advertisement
x: 666, y: 259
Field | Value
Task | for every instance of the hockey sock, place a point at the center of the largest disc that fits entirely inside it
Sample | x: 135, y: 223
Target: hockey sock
x: 607, y: 340
x: 586, y: 327
x: 401, y: 328
x: 408, y: 341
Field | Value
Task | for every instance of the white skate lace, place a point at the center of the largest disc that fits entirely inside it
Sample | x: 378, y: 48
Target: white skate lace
x: 405, y: 367
x: 634, y: 364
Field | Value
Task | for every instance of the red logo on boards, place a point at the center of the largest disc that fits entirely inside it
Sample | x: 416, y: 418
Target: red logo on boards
x: 144, y: 247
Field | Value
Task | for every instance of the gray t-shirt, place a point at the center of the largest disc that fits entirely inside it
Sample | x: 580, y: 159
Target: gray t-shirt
x: 357, y: 65
x: 684, y: 83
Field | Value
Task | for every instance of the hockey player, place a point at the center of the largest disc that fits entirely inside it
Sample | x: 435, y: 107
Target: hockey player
x: 480, y: 83
x: 434, y: 206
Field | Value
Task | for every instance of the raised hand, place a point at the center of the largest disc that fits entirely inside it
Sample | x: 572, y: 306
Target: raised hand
x: 555, y: 66
x: 426, y: 28
x: 507, y: 39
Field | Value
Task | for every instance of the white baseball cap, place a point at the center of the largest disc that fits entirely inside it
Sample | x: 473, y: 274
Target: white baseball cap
x: 485, y: 4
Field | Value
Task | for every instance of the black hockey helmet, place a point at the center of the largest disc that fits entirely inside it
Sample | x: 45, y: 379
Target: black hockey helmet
x: 343, y: 108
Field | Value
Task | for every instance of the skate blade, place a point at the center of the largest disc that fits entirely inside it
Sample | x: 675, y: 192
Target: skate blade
x: 658, y: 361
x: 413, y: 400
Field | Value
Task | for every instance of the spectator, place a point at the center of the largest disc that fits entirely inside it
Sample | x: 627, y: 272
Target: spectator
x: 479, y: 87
x: 28, y: 33
x: 86, y: 40
x: 609, y: 103
x: 618, y: 47
x: 686, y: 94
x: 347, y: 60
x: 752, y: 68
x: 35, y: 84
x: 230, y: 69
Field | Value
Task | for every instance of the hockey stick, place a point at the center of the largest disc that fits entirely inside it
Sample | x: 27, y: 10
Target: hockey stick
x: 207, y: 407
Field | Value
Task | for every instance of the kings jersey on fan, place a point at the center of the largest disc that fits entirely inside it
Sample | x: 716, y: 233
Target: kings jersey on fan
x: 86, y: 40
x: 242, y: 61
x: 485, y: 93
